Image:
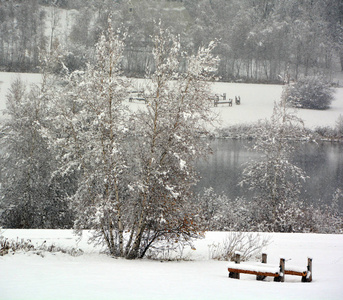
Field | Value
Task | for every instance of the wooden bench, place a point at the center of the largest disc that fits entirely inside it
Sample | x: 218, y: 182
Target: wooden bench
x: 221, y: 99
x: 138, y: 96
x: 263, y: 270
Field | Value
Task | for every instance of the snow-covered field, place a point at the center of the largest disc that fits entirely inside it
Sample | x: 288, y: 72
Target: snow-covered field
x: 257, y: 102
x: 97, y: 276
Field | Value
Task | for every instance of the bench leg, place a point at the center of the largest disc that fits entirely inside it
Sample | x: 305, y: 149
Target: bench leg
x: 307, y: 278
x: 234, y: 275
x: 281, y: 277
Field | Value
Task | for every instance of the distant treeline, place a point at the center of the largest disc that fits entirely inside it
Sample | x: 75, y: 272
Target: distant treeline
x: 259, y: 40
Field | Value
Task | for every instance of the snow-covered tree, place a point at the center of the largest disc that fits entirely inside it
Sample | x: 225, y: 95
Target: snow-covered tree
x: 168, y: 131
x: 275, y: 180
x: 90, y: 125
x: 136, y: 170
x: 26, y: 164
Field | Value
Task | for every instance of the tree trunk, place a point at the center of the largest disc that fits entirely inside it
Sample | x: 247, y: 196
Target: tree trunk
x: 134, y: 252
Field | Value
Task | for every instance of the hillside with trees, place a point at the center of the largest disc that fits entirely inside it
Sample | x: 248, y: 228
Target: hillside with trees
x: 258, y: 41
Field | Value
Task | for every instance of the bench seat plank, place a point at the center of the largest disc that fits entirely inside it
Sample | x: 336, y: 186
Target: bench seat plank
x: 297, y: 273
x: 264, y: 270
x: 254, y: 272
x: 259, y: 267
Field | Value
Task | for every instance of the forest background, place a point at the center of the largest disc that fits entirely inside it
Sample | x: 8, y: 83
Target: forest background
x: 258, y: 40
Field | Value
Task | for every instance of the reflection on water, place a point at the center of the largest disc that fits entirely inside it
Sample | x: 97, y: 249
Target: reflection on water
x: 323, y: 163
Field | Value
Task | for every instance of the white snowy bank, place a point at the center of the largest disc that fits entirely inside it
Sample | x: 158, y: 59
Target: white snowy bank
x: 97, y: 276
x: 257, y: 102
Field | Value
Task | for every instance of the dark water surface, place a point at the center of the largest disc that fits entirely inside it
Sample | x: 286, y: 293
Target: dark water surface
x: 322, y: 162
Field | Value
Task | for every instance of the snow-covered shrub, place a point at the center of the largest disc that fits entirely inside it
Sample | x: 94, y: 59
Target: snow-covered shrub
x: 219, y: 213
x: 51, y: 214
x: 7, y: 246
x: 325, y: 131
x: 12, y: 246
x: 239, y: 131
x: 213, y: 209
x: 170, y: 251
x: 311, y: 93
x: 328, y: 218
x: 249, y: 244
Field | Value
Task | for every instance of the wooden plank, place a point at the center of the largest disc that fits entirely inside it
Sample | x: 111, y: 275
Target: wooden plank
x: 287, y: 272
x: 296, y: 273
x: 222, y: 102
x: 232, y: 270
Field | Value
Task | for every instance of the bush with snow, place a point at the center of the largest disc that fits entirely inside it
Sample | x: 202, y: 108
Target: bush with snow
x: 311, y: 93
x: 250, y: 245
x: 219, y: 213
x: 8, y: 246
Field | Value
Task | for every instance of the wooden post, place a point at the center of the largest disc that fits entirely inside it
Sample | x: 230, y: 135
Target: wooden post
x: 308, y: 277
x: 264, y: 261
x: 281, y: 277
x: 237, y: 261
x: 282, y: 269
x: 224, y: 96
x: 237, y: 257
x: 309, y: 268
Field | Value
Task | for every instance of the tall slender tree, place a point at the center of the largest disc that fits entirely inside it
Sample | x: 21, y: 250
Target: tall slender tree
x: 168, y: 135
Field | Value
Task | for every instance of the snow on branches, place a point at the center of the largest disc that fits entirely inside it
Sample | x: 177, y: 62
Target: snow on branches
x: 275, y: 180
x: 135, y: 170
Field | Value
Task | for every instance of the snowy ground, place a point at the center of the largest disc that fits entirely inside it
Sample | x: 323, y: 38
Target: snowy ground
x: 97, y: 276
x: 257, y: 102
